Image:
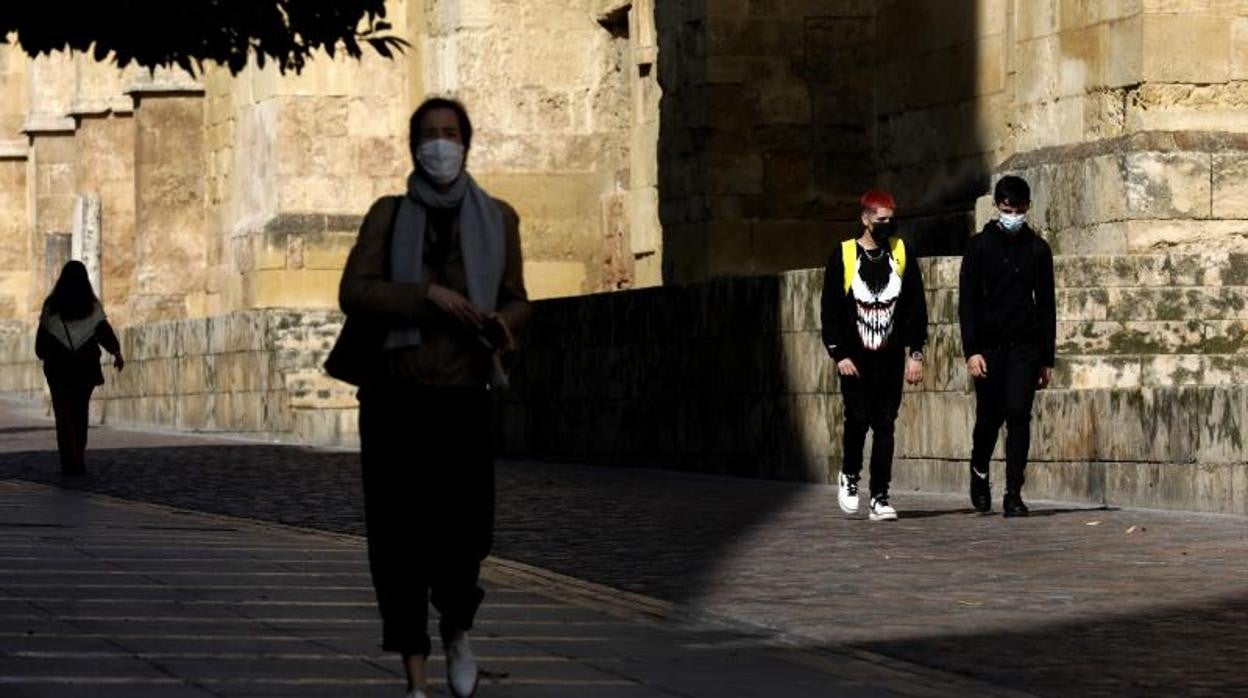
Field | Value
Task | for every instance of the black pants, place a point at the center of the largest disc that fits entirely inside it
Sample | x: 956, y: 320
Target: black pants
x: 428, y: 475
x: 71, y: 406
x: 872, y: 399
x: 1005, y: 396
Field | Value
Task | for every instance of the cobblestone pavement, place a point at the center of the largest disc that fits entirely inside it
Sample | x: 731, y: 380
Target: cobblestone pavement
x: 107, y: 597
x: 1074, y: 600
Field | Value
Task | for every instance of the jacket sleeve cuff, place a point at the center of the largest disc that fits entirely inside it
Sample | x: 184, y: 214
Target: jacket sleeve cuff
x: 837, y: 352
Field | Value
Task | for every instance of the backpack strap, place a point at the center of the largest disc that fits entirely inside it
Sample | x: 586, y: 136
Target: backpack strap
x: 897, y: 247
x: 849, y: 259
x: 849, y: 262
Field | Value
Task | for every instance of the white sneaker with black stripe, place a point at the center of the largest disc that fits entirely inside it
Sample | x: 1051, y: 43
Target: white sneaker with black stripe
x: 881, y: 510
x: 847, y: 493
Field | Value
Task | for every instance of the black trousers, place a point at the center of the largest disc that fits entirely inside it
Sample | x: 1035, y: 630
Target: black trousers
x: 428, y: 474
x: 1005, y: 396
x: 871, y: 401
x: 71, y: 406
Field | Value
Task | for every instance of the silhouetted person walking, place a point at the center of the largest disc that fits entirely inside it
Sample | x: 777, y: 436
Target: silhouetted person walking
x: 72, y: 328
x: 1009, y: 328
x: 436, y: 277
x: 873, y: 309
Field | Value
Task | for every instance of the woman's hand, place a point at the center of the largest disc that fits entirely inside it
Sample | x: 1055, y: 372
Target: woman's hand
x: 509, y: 343
x: 454, y: 304
x: 846, y: 367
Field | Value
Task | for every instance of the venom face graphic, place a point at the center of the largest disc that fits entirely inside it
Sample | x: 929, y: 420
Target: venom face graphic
x: 876, y: 288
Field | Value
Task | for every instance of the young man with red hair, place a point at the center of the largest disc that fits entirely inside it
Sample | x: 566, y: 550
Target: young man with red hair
x: 873, y: 311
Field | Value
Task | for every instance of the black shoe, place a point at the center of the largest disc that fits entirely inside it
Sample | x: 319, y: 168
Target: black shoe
x: 981, y: 491
x: 1013, y: 506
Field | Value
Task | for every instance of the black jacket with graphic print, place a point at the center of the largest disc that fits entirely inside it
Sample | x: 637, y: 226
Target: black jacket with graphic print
x: 1006, y: 292
x: 839, y: 311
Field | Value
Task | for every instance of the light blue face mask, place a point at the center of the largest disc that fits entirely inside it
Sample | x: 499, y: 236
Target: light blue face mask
x: 1012, y: 222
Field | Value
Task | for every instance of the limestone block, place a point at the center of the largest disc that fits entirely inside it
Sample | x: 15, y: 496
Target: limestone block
x: 1239, y: 48
x: 1193, y: 369
x: 195, y: 412
x: 1149, y: 424
x: 1214, y: 487
x: 196, y: 374
x: 1036, y: 19
x: 238, y: 332
x: 156, y: 377
x: 941, y: 272
x: 239, y: 412
x: 551, y: 279
x: 1085, y: 304
x: 1225, y: 337
x: 1168, y: 185
x: 1131, y: 337
x: 1179, y: 235
x: 1099, y: 239
x: 1205, y: 60
x: 936, y: 425
x: 1214, y: 303
x: 243, y: 371
x: 1186, y: 107
x: 151, y: 342
x: 1034, y: 59
x: 1221, y: 425
x: 312, y: 389
x: 799, y: 293
x: 1098, y: 372
x: 291, y: 288
x: 1230, y: 183
x: 807, y: 367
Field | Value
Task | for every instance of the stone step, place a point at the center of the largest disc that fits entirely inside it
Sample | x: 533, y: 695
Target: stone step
x: 1124, y: 303
x: 1112, y: 271
x: 1131, y: 337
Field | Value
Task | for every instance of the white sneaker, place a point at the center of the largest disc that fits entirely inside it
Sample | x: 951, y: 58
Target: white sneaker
x: 847, y: 493
x: 880, y: 509
x: 416, y: 693
x: 461, y: 667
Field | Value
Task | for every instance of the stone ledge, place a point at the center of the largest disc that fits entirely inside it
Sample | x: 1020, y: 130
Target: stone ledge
x: 14, y: 149
x: 1154, y: 141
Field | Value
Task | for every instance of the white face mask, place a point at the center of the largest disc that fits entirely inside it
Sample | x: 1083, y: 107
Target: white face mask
x: 1012, y: 222
x: 441, y: 159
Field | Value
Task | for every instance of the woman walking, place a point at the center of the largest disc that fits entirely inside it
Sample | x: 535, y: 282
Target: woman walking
x: 435, y: 283
x: 72, y: 328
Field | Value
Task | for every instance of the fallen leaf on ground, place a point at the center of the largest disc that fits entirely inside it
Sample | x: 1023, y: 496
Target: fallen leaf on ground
x: 1093, y: 523
x: 1131, y: 530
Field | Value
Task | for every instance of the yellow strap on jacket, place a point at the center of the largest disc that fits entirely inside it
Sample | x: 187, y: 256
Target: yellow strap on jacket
x: 849, y: 259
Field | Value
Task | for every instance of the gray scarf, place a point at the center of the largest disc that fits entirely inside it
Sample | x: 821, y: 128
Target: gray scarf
x: 73, y: 333
x: 481, y: 241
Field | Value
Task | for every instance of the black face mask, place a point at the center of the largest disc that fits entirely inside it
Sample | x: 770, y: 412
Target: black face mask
x: 882, y: 231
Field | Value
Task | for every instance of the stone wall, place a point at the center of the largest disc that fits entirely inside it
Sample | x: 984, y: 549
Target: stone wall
x: 556, y: 95
x: 254, y: 373
x: 766, y: 132
x: 730, y: 377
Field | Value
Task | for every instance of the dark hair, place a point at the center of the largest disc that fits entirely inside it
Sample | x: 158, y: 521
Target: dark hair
x: 72, y: 297
x: 1012, y: 190
x: 430, y: 104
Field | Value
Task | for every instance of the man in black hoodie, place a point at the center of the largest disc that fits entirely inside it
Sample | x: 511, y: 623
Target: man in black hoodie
x: 1009, y: 327
x: 873, y: 309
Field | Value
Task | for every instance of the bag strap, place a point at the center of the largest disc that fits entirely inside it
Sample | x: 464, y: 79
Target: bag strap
x: 849, y: 262
x: 849, y: 259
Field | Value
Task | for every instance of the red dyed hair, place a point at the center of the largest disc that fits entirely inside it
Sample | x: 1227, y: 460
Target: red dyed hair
x: 876, y: 199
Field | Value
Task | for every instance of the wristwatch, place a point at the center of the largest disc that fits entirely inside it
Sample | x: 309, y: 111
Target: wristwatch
x: 916, y: 355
